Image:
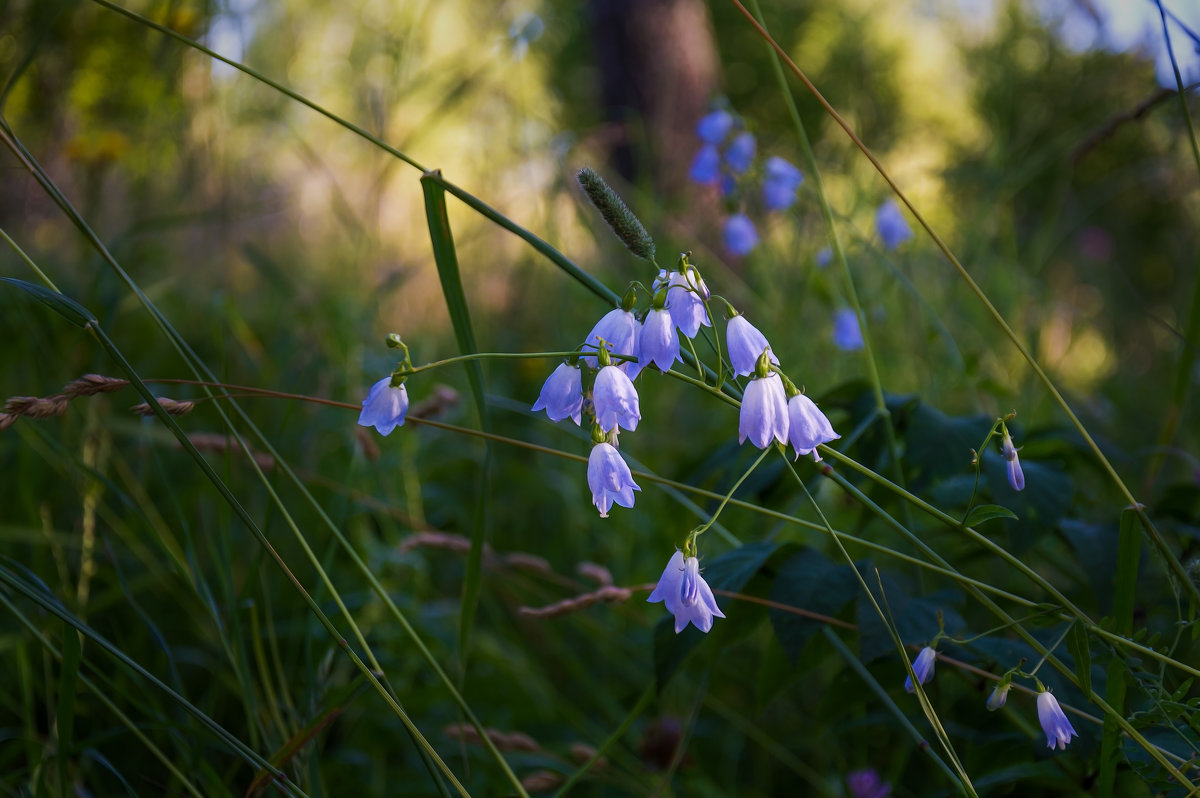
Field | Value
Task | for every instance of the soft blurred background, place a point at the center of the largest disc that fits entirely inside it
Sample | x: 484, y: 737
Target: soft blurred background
x: 1045, y: 141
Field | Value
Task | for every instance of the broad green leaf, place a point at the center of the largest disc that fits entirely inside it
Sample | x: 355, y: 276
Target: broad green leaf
x: 986, y: 512
x: 808, y: 581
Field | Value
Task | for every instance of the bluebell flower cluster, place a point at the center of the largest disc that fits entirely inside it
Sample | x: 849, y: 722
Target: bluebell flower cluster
x: 728, y: 168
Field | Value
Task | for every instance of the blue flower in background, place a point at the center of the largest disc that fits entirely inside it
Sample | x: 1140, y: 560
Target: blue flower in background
x: 847, y: 334
x: 867, y: 784
x: 713, y: 128
x: 609, y: 479
x: 923, y: 667
x: 1059, y: 730
x: 384, y: 407
x: 562, y: 394
x: 740, y: 234
x: 686, y: 594
x: 892, y: 228
x: 706, y: 166
x: 824, y: 257
x: 780, y: 181
x: 740, y: 153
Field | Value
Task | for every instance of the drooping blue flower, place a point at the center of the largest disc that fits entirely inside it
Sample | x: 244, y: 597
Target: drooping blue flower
x: 890, y: 224
x: 808, y: 426
x: 867, y: 784
x: 1016, y: 477
x: 615, y: 400
x: 764, y: 414
x: 686, y: 594
x: 1059, y: 730
x: 740, y: 153
x: 659, y: 341
x: 619, y: 330
x: 780, y: 181
x: 562, y: 394
x: 923, y: 667
x: 685, y: 300
x: 706, y: 166
x: 609, y: 479
x: 847, y: 334
x: 740, y: 235
x: 714, y: 127
x: 824, y: 256
x: 384, y: 407
x: 745, y: 343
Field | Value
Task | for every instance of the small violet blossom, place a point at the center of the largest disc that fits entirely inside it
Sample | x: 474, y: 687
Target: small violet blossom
x: 1059, y: 730
x: 780, y: 183
x: 384, y: 407
x: 562, y: 394
x: 745, y: 343
x: 847, y: 335
x: 706, y: 166
x: 615, y: 400
x: 609, y: 479
x: 824, y: 256
x: 659, y: 341
x: 619, y: 330
x: 867, y: 784
x: 686, y: 594
x: 808, y: 426
x: 740, y: 153
x: 685, y: 300
x: 890, y: 224
x: 923, y: 667
x: 764, y: 415
x: 999, y: 695
x: 714, y: 127
x: 741, y: 237
x: 1016, y: 477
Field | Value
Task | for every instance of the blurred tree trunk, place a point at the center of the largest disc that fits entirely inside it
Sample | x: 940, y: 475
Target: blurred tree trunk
x: 658, y: 67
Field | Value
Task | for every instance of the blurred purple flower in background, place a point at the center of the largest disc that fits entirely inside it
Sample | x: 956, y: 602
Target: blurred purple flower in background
x: 890, y: 224
x: 714, y: 127
x: 706, y: 166
x: 780, y: 182
x: 740, y: 153
x: 867, y: 784
x: 847, y: 334
x: 740, y: 235
x: 824, y: 256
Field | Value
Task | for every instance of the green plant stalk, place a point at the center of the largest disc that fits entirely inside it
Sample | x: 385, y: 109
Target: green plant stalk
x: 810, y: 157
x: 1125, y: 585
x: 105, y: 700
x: 1151, y: 532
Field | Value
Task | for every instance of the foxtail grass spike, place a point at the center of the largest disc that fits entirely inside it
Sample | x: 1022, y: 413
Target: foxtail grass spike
x: 625, y: 226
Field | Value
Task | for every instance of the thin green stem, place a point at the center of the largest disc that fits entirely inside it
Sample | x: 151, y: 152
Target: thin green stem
x: 700, y: 530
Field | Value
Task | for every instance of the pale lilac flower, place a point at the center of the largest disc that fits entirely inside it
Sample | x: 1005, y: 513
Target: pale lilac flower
x: 867, y: 784
x: 609, y: 479
x: 659, y: 341
x: 740, y: 153
x: 686, y: 594
x: 685, y: 300
x: 808, y: 426
x: 1016, y: 477
x: 890, y: 224
x: 999, y: 695
x: 619, y: 330
x: 615, y: 400
x: 745, y: 343
x: 1059, y: 730
x: 847, y: 334
x: 384, y: 407
x: 764, y: 415
x: 740, y: 235
x: 824, y: 256
x: 562, y: 394
x: 780, y: 181
x: 706, y: 166
x: 714, y: 127
x: 923, y: 667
